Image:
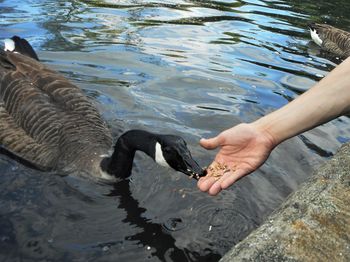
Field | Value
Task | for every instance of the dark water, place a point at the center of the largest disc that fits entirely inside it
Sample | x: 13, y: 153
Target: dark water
x: 192, y: 68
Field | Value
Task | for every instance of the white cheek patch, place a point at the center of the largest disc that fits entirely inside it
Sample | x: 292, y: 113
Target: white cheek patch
x: 106, y: 176
x: 159, y: 158
x: 315, y: 37
x: 9, y: 45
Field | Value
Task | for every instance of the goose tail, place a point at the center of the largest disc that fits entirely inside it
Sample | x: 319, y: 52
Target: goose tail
x: 17, y: 44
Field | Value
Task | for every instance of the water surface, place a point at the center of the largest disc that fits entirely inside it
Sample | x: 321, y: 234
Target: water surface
x: 192, y: 68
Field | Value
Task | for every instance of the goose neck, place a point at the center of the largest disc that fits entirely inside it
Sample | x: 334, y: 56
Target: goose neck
x: 120, y: 163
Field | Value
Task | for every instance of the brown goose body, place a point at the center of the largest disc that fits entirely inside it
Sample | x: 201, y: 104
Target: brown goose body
x: 47, y: 120
x: 331, y: 39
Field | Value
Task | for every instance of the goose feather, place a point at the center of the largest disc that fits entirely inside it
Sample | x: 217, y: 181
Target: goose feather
x: 47, y: 120
x: 331, y: 39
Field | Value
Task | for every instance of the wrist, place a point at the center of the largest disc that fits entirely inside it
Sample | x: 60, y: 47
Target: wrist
x: 265, y: 129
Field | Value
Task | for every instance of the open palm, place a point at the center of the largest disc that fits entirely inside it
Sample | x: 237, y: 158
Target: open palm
x: 243, y: 149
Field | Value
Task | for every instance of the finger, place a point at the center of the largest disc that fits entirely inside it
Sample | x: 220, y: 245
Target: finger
x: 232, y: 177
x: 205, y: 183
x: 215, y: 188
x: 210, y: 143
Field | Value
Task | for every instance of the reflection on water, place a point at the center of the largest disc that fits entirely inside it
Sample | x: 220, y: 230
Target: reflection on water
x: 191, y: 68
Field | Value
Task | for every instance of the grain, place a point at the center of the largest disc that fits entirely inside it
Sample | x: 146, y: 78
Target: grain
x: 217, y: 170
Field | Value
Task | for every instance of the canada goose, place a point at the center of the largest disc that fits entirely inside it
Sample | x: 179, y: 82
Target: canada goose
x: 331, y: 39
x: 50, y: 124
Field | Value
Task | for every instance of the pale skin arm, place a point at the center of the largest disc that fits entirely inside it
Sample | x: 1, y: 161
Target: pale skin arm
x: 245, y: 147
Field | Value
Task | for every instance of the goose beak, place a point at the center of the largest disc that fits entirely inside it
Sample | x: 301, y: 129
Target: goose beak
x: 192, y: 168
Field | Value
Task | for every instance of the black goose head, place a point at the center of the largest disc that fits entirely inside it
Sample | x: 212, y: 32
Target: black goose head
x: 20, y: 45
x: 167, y: 150
x: 172, y: 151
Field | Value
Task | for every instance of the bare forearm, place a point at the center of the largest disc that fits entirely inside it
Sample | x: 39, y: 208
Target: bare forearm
x: 327, y: 100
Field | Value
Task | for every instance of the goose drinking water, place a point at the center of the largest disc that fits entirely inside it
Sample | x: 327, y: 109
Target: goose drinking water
x: 48, y: 123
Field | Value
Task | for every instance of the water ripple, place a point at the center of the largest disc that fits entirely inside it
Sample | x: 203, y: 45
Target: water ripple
x: 192, y: 68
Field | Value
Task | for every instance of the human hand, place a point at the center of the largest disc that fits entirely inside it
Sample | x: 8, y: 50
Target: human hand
x: 243, y: 149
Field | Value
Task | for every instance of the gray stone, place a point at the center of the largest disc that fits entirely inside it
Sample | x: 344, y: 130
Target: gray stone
x: 313, y: 224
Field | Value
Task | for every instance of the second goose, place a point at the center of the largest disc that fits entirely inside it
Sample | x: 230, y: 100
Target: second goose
x: 331, y: 39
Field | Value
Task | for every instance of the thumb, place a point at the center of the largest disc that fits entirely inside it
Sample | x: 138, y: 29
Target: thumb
x: 210, y: 143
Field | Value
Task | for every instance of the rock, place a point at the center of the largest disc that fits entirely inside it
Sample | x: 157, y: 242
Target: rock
x: 313, y: 224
